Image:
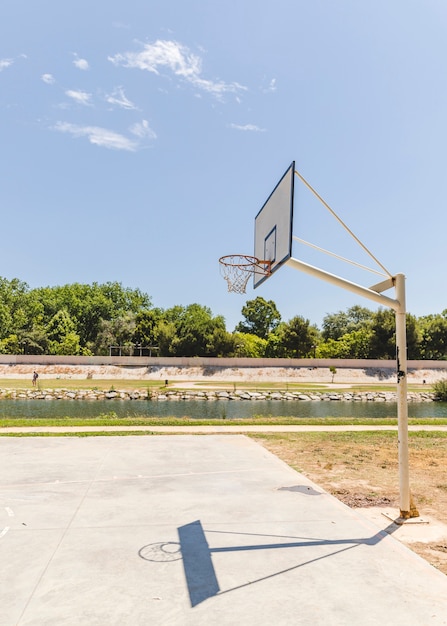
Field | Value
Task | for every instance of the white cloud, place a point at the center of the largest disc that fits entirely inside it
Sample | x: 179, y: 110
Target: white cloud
x: 179, y: 60
x: 81, y: 97
x: 248, y: 127
x: 98, y: 136
x: 117, y: 97
x: 4, y: 63
x: 271, y: 86
x: 48, y: 79
x: 142, y: 130
x: 81, y: 64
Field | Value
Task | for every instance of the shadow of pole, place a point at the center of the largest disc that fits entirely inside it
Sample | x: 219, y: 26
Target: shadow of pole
x: 199, y: 571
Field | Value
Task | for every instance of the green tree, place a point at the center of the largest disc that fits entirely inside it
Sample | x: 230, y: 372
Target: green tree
x: 20, y: 314
x: 354, y: 345
x: 61, y: 333
x: 12, y: 298
x: 248, y: 346
x: 338, y: 324
x: 166, y: 332
x: 147, y: 324
x: 116, y: 332
x: 19, y: 309
x: 261, y: 317
x: 383, y: 337
x: 193, y: 331
x: 433, y: 330
x: 294, y: 339
x: 413, y: 337
x: 89, y: 305
x: 10, y: 345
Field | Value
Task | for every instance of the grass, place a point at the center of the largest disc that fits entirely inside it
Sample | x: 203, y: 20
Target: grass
x: 84, y: 384
x: 111, y: 419
x: 302, y: 387
x: 124, y: 384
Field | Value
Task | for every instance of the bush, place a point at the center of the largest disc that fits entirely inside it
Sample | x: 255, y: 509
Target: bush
x: 440, y: 390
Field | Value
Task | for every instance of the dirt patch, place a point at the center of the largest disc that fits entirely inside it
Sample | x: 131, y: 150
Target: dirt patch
x: 434, y: 553
x: 360, y: 500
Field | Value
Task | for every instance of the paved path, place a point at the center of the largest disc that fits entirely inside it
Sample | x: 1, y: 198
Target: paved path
x: 249, y: 428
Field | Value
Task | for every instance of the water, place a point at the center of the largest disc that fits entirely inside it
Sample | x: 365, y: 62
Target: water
x: 215, y: 409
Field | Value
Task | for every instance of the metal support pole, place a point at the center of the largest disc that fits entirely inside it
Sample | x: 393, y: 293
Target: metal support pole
x: 407, y: 509
x: 402, y: 402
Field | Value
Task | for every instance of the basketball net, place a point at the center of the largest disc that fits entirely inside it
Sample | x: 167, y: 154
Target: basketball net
x: 237, y: 269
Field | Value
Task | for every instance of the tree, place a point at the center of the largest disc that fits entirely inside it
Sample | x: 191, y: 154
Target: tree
x: 249, y: 346
x: 34, y: 341
x: 165, y: 334
x: 10, y: 345
x: 20, y: 314
x: 19, y: 309
x: 413, y: 337
x: 89, y: 305
x: 193, y: 331
x: 338, y: 324
x: 354, y: 345
x: 333, y: 371
x: 146, y: 327
x: 294, y: 339
x: 61, y: 333
x: 433, y: 329
x: 383, y: 337
x: 261, y: 317
x: 116, y: 332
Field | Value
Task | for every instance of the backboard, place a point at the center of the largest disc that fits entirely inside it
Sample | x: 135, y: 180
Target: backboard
x: 273, y: 226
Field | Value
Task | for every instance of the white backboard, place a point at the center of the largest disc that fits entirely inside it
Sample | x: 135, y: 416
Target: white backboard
x: 273, y: 226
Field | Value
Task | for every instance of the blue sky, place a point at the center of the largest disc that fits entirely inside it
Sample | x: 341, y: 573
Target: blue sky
x: 140, y: 139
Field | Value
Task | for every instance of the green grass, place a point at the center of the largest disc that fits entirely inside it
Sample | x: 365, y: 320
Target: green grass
x: 302, y: 387
x: 99, y: 433
x: 124, y: 384
x: 84, y: 384
x: 113, y: 420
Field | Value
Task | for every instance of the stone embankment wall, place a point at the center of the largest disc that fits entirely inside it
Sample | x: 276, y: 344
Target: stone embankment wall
x: 182, y: 395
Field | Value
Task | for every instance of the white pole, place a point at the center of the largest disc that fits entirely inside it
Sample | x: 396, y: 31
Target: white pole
x: 402, y: 403
x: 301, y: 266
x: 399, y: 306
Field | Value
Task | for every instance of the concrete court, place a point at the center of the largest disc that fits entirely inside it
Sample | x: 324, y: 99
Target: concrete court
x: 192, y: 530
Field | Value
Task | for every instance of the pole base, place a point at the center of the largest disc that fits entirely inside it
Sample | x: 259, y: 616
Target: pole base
x: 404, y: 518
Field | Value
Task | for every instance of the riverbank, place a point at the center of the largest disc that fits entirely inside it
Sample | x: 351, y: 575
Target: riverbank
x: 166, y: 395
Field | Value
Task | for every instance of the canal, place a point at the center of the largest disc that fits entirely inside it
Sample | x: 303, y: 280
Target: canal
x: 216, y: 409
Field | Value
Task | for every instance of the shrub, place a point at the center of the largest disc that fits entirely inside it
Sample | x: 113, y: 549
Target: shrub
x: 440, y: 390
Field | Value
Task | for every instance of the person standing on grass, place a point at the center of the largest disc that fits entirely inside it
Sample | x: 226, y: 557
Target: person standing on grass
x: 35, y: 377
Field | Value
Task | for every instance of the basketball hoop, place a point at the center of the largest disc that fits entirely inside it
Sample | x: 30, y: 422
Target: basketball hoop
x: 237, y: 269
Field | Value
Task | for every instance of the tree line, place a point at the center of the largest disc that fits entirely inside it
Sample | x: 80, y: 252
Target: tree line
x: 80, y: 319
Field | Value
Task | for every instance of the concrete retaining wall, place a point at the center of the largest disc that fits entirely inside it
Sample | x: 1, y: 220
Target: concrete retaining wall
x: 347, y: 371
x: 204, y: 362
